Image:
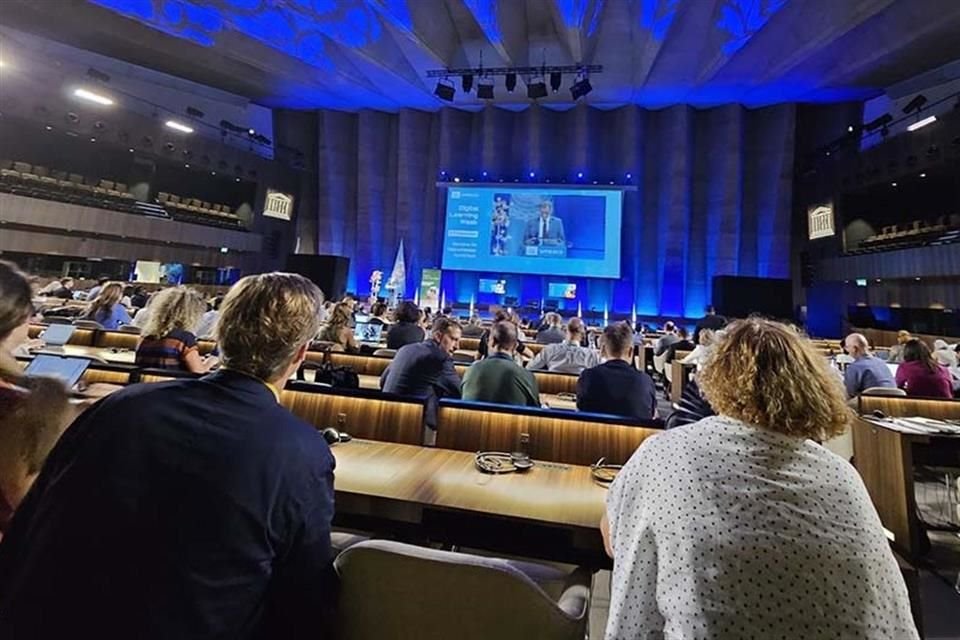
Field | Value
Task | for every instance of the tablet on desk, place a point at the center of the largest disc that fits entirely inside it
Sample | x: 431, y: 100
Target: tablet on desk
x: 68, y: 370
x: 57, y: 335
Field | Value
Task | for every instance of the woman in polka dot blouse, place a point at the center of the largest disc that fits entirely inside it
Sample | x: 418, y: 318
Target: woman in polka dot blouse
x: 740, y: 525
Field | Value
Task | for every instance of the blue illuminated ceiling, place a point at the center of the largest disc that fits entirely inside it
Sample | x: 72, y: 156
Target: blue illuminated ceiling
x: 354, y: 54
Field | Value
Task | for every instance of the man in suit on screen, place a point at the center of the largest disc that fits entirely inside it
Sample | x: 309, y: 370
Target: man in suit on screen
x: 545, y: 229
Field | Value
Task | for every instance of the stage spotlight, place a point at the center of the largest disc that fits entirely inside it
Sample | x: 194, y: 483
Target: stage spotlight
x: 511, y: 82
x: 485, y: 88
x: 193, y: 112
x: 580, y: 174
x: 922, y: 123
x: 581, y: 88
x: 882, y: 121
x: 916, y: 104
x: 555, y: 79
x: 537, y: 88
x: 445, y: 90
x: 467, y: 82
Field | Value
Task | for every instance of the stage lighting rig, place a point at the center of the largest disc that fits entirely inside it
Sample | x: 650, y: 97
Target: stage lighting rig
x: 555, y: 79
x: 916, y: 104
x: 511, y: 82
x: 445, y: 90
x: 581, y: 88
x: 536, y: 86
x: 467, y: 82
x: 485, y: 88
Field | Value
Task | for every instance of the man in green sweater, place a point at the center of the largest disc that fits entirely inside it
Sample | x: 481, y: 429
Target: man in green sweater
x: 498, y: 378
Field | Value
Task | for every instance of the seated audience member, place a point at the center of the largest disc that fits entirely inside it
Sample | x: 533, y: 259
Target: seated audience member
x: 186, y: 509
x: 426, y: 368
x: 683, y: 343
x: 106, y: 308
x: 169, y: 341
x: 502, y: 315
x: 668, y: 338
x: 703, y: 348
x: 474, y: 328
x: 95, y: 289
x: 406, y: 330
x: 498, y: 378
x: 33, y: 411
x: 552, y: 332
x: 921, y: 375
x: 139, y: 298
x: 615, y: 386
x: 338, y: 329
x: 378, y: 314
x: 711, y: 321
x: 896, y: 351
x: 62, y: 288
x: 568, y: 356
x: 943, y: 354
x: 692, y: 407
x: 865, y: 371
x: 208, y: 321
x: 709, y: 525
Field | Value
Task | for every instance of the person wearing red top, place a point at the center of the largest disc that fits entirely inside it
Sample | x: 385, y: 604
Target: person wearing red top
x: 921, y: 375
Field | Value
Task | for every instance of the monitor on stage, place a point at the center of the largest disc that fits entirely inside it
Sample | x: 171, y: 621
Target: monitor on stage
x: 564, y: 231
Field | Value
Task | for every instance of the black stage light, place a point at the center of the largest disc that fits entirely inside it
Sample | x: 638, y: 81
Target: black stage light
x: 467, y: 82
x: 193, y: 112
x: 555, y: 79
x: 581, y: 88
x: 878, y: 123
x: 511, y: 82
x: 445, y: 90
x: 485, y: 89
x: 916, y: 104
x: 537, y: 88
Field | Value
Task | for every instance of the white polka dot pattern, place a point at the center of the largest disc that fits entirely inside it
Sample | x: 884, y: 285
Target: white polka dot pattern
x: 725, y: 531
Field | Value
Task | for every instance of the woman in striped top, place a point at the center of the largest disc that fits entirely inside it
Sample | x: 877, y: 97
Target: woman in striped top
x: 169, y: 341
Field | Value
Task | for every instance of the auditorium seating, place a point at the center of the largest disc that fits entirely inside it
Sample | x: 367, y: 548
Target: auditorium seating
x: 943, y: 230
x: 109, y: 374
x: 395, y: 590
x: 36, y: 181
x: 553, y: 383
x: 557, y: 436
x: 199, y: 211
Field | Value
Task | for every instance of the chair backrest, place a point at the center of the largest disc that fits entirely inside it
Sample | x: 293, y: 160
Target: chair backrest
x: 554, y: 435
x: 370, y: 415
x: 902, y: 407
x: 58, y: 320
x: 384, y: 353
x: 129, y: 328
x: 394, y: 590
x: 149, y: 376
x: 117, y: 340
x: 470, y: 344
x: 553, y: 382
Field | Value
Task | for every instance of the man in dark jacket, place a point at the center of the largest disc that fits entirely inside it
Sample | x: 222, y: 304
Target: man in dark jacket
x: 198, y: 508
x: 711, y: 321
x: 426, y: 368
x: 616, y: 387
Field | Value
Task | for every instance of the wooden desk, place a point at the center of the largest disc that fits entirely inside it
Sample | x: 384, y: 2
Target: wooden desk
x: 369, y: 382
x: 552, y: 511
x: 122, y: 356
x: 556, y: 402
x: 884, y: 458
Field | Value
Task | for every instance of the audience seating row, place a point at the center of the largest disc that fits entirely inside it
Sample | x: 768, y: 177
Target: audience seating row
x: 37, y: 181
x: 945, y: 230
x: 903, y: 407
x: 200, y: 211
x: 556, y: 436
x: 104, y: 339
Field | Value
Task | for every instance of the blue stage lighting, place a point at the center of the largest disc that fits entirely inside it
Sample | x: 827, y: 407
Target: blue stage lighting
x: 629, y: 176
x: 580, y: 174
x: 532, y: 174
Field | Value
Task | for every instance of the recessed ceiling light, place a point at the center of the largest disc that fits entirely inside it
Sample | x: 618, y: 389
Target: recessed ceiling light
x: 923, y: 175
x: 90, y: 96
x: 922, y: 123
x: 893, y: 184
x: 176, y: 126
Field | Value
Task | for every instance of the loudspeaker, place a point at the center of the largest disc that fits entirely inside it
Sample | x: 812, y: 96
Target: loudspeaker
x: 740, y: 296
x: 327, y: 272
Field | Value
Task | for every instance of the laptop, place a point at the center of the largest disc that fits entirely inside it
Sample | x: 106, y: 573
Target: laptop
x: 368, y: 332
x: 67, y: 370
x: 57, y: 335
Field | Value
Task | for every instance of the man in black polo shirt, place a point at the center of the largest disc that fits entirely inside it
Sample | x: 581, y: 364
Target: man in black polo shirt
x: 198, y: 508
x: 616, y: 387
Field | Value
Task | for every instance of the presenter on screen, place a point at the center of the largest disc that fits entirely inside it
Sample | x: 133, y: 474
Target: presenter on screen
x: 545, y: 229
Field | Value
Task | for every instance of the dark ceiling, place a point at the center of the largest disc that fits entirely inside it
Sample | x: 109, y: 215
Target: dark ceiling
x: 354, y: 54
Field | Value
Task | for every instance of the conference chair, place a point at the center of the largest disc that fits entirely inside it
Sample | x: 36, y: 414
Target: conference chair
x: 884, y: 391
x: 395, y: 590
x: 385, y: 353
x: 659, y: 364
x: 129, y: 328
